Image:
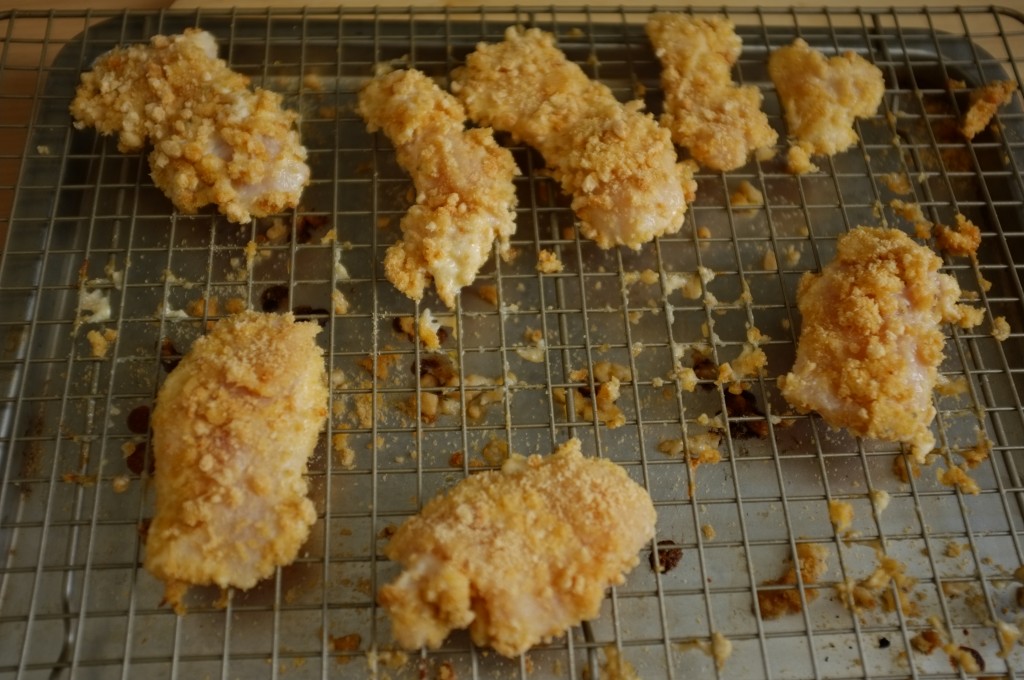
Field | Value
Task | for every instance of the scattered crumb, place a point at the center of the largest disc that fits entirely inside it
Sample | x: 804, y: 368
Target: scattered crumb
x: 79, y: 479
x: 984, y: 102
x: 100, y: 341
x: 686, y: 377
x: 951, y: 388
x: 607, y: 378
x: 384, y: 364
x: 719, y: 648
x: 962, y: 241
x: 956, y: 476
x: 427, y: 330
x: 344, y: 455
x: 747, y: 365
x: 897, y: 182
x: 926, y: 641
x: 120, y: 483
x: 746, y: 194
x: 537, y: 350
x: 812, y: 559
x: 1000, y: 328
x: 793, y: 255
x: 708, y: 531
x: 548, y: 262
x: 344, y: 643
x: 392, y: 659
x: 900, y: 469
x: 912, y: 213
x: 93, y: 306
x: 312, y: 81
x: 340, y: 302
x: 703, y: 232
x: 979, y: 453
x: 841, y: 515
x: 798, y: 161
x: 43, y: 150
x: 1008, y: 635
x: 488, y: 293
x: 770, y: 262
x: 869, y: 592
x: 614, y: 667
x: 880, y: 500
x: 689, y: 283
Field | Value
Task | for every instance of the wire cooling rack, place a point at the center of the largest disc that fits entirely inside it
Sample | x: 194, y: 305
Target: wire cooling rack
x: 93, y: 248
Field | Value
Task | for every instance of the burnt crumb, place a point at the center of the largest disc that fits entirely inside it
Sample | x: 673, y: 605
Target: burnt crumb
x: 978, y: 659
x: 310, y: 228
x: 665, y: 559
x: 137, y: 461
x: 744, y: 405
x: 883, y: 643
x: 138, y: 420
x: 274, y: 299
x: 320, y: 314
x: 705, y: 368
x: 169, y: 355
x: 437, y: 366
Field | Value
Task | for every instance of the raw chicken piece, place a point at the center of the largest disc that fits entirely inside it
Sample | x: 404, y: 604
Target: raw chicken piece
x: 617, y: 163
x: 214, y: 140
x: 518, y: 555
x: 870, y: 343
x: 465, y: 198
x: 719, y: 122
x: 822, y: 97
x: 233, y: 427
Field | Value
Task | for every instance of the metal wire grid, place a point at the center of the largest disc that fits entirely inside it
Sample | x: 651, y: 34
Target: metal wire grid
x: 73, y: 601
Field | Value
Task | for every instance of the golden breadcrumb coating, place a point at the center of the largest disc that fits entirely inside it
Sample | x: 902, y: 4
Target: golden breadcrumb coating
x: 519, y: 555
x: 871, y: 342
x: 233, y: 427
x: 619, y: 166
x: 812, y: 561
x: 984, y: 102
x: 719, y: 122
x: 465, y: 198
x: 822, y: 97
x: 214, y: 140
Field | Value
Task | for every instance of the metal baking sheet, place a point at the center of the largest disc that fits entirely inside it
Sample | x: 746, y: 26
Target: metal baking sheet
x: 86, y: 221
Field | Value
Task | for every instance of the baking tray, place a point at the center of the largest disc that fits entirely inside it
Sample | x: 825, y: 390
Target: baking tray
x: 86, y: 221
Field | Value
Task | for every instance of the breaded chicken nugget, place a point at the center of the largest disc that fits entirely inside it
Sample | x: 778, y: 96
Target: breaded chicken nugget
x: 719, y: 122
x: 233, y: 427
x: 465, y: 198
x: 618, y: 164
x: 870, y: 342
x: 822, y: 98
x: 518, y: 555
x: 214, y: 140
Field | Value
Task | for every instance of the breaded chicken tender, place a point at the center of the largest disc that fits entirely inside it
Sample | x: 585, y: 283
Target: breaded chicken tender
x: 214, y: 140
x: 465, y: 198
x: 519, y: 555
x: 822, y: 97
x: 719, y: 122
x: 233, y: 427
x: 871, y: 343
x: 617, y: 163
